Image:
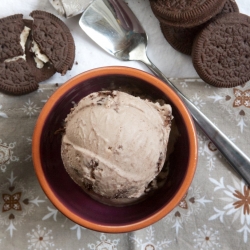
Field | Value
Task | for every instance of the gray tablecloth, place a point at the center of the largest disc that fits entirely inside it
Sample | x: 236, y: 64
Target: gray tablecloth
x: 214, y: 214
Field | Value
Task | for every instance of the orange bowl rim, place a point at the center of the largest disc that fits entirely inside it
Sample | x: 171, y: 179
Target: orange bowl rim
x: 115, y: 70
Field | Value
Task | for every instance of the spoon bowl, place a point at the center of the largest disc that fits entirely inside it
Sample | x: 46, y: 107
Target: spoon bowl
x: 118, y: 29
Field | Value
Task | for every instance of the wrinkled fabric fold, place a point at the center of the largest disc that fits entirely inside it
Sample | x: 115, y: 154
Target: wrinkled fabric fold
x: 70, y: 8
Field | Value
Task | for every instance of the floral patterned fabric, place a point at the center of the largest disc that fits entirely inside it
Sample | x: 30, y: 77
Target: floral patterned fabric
x: 214, y: 214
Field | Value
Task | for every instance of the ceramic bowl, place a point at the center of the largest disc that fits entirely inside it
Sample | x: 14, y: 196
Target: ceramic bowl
x: 68, y: 197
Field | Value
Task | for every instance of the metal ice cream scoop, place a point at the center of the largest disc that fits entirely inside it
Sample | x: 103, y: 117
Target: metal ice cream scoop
x: 114, y: 27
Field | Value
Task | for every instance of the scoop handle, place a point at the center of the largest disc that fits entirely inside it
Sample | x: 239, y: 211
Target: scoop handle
x: 235, y: 157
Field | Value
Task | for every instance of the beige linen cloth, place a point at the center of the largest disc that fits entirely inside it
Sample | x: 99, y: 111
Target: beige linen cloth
x: 214, y: 214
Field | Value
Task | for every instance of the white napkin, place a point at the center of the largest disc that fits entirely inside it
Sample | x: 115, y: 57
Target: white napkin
x: 70, y: 8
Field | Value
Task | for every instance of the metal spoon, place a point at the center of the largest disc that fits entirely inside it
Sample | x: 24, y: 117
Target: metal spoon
x: 114, y: 27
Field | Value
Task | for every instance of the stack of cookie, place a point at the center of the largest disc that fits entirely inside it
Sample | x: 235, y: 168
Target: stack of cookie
x: 31, y: 51
x: 213, y: 32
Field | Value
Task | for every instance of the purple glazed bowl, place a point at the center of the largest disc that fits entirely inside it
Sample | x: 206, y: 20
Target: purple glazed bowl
x: 68, y: 197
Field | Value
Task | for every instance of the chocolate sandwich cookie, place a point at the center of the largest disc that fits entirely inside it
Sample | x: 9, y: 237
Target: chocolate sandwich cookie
x: 54, y: 40
x: 221, y: 51
x: 10, y: 30
x: 31, y: 51
x: 16, y: 78
x: 47, y: 69
x: 185, y: 13
x: 182, y: 39
x: 15, y: 74
x: 230, y: 6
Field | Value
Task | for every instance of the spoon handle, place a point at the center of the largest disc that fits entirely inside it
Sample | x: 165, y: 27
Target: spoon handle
x: 235, y: 157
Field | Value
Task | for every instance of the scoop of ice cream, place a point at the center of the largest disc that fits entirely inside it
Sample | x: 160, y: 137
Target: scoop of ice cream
x: 115, y: 144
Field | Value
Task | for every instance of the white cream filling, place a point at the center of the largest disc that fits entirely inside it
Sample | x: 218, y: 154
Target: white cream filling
x: 39, y: 63
x: 23, y: 38
x: 39, y: 58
